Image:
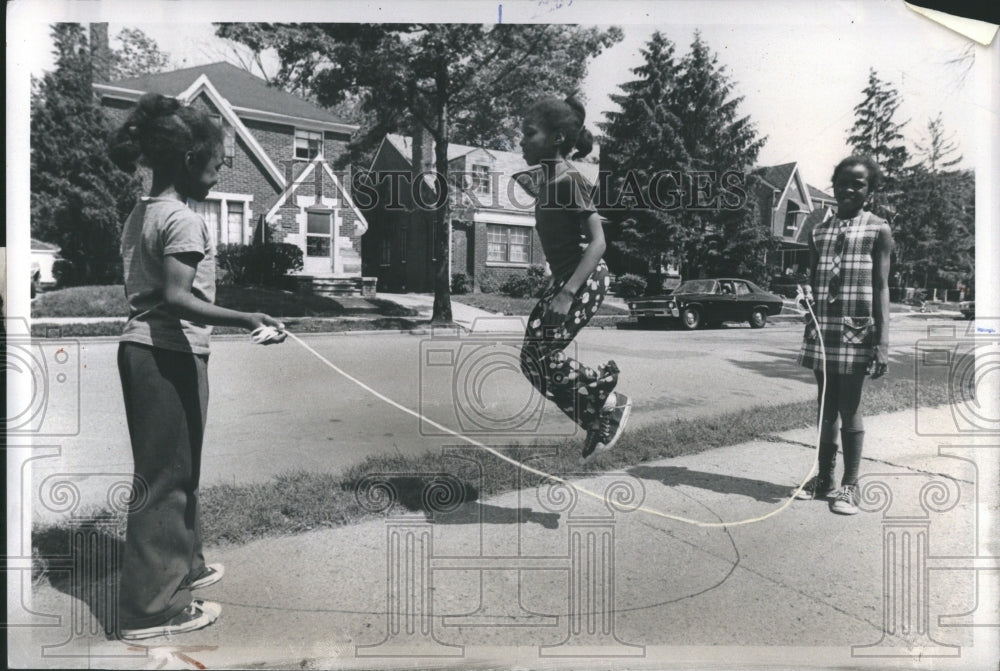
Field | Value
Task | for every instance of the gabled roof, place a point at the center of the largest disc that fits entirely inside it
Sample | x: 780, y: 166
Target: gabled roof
x: 39, y: 246
x: 776, y: 175
x: 817, y: 193
x: 506, y: 163
x: 247, y: 93
x: 318, y: 163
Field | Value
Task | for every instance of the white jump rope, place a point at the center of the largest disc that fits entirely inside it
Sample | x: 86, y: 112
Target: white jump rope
x: 266, y: 335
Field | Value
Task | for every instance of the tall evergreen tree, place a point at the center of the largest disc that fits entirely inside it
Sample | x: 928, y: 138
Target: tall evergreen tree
x: 938, y: 150
x: 465, y: 81
x: 877, y: 134
x: 683, y: 116
x: 78, y: 197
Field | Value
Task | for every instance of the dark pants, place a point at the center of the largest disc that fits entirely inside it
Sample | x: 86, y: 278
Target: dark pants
x: 578, y: 390
x: 166, y: 400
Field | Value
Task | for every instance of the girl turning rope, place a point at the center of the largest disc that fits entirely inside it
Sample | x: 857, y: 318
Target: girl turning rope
x: 163, y: 362
x: 849, y: 256
x: 573, y: 242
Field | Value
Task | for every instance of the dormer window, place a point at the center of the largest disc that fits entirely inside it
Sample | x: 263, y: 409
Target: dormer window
x: 481, y: 179
x: 308, y: 144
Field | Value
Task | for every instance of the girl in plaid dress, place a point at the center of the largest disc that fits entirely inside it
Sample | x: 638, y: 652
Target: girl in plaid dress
x: 849, y: 257
x: 569, y: 229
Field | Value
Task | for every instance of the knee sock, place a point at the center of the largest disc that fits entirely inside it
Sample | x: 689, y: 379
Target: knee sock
x: 852, y: 440
x: 827, y: 460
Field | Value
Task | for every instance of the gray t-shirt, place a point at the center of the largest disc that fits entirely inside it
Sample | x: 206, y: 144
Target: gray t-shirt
x: 156, y: 228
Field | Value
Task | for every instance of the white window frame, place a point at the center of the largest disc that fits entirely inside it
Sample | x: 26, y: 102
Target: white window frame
x: 220, y: 235
x: 506, y: 230
x: 481, y: 179
x: 306, y: 135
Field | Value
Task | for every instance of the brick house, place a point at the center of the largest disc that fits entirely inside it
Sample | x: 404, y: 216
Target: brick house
x: 277, y: 150
x: 785, y: 201
x: 492, y: 222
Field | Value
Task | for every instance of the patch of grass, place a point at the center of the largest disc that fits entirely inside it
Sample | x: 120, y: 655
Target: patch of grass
x: 518, y: 307
x: 303, y: 500
x: 93, y: 301
x: 109, y: 301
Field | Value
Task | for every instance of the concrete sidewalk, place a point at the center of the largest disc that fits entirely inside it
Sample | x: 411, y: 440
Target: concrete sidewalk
x: 548, y: 576
x: 471, y: 319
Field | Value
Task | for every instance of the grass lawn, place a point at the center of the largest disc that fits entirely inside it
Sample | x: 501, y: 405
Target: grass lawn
x: 519, y: 307
x: 299, y: 501
x: 109, y: 301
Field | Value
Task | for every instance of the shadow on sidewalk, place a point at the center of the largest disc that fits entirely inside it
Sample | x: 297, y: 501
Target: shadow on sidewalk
x: 461, y: 506
x: 83, y: 561
x: 671, y: 476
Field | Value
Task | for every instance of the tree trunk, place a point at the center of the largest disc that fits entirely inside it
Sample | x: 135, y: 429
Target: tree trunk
x: 442, y: 226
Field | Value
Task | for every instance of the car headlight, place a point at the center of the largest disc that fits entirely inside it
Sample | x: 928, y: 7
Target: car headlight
x: 631, y: 306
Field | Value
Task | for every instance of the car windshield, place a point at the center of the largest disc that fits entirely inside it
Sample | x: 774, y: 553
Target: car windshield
x: 696, y: 287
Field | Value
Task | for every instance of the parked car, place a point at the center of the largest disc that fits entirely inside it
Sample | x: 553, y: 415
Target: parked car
x: 968, y: 309
x: 709, y: 303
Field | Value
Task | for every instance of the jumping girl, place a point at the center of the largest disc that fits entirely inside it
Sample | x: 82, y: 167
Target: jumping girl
x: 573, y: 242
x: 849, y: 256
x: 163, y: 363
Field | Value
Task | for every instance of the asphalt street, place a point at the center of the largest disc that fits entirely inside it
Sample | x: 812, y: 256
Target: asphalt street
x: 278, y: 409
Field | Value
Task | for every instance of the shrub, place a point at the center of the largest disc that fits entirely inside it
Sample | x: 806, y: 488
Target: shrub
x: 488, y: 282
x: 630, y: 286
x: 261, y: 265
x: 460, y: 284
x: 521, y: 286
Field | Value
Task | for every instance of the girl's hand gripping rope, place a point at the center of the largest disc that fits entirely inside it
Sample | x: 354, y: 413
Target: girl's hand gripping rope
x: 268, y: 335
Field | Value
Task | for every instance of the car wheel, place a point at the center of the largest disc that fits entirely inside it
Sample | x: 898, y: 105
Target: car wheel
x: 691, y: 318
x: 758, y: 318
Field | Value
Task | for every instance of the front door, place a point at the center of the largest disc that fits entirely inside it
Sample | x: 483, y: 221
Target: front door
x: 318, y: 259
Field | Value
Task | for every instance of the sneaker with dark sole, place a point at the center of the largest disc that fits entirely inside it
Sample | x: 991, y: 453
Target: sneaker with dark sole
x: 211, y: 574
x: 847, y: 501
x: 818, y: 487
x: 198, y: 615
x: 611, y: 426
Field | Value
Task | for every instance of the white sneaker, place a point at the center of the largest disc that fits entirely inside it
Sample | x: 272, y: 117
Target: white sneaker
x: 847, y: 501
x: 198, y: 615
x: 213, y: 574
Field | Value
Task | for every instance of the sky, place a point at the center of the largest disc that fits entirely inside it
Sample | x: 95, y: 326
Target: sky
x: 800, y: 66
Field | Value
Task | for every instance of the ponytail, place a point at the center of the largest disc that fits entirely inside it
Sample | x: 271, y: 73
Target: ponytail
x: 584, y: 139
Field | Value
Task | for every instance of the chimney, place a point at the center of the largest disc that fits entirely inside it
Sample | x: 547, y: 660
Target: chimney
x: 100, y: 53
x: 423, y: 149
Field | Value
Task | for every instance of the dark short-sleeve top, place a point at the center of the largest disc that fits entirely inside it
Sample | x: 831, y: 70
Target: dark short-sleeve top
x: 561, y: 214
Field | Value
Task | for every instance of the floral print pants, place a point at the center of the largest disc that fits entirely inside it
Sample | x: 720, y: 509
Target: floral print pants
x: 578, y: 390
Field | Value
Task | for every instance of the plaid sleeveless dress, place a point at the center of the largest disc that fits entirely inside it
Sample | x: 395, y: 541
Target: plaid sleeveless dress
x: 846, y: 324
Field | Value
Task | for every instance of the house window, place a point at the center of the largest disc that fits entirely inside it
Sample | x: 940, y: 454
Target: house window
x: 225, y: 219
x: 234, y: 221
x: 385, y: 251
x: 319, y: 228
x: 308, y: 144
x: 481, y: 179
x: 211, y: 212
x: 507, y: 244
x: 791, y: 221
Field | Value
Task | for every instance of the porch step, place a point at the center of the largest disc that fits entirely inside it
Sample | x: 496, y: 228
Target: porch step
x: 344, y: 286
